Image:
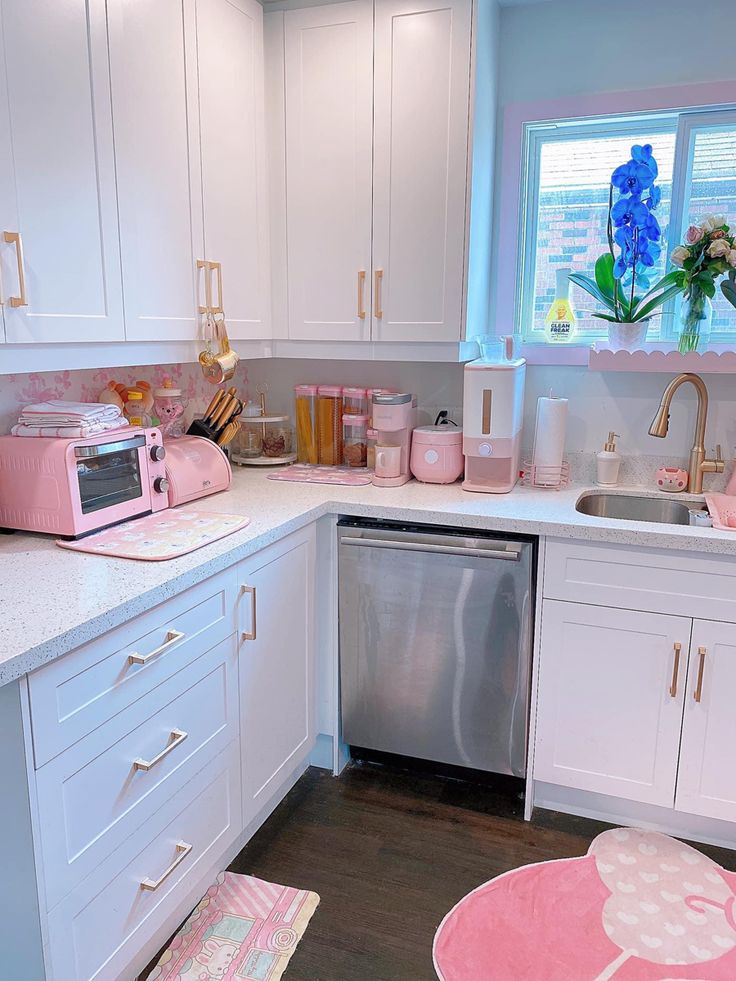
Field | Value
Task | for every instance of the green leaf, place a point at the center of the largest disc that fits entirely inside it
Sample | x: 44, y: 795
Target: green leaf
x: 706, y: 284
x: 648, y: 308
x: 729, y: 290
x: 604, y: 275
x: 606, y: 316
x: 587, y: 284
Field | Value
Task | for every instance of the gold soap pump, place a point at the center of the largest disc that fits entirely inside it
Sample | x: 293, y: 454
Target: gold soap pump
x: 608, y: 462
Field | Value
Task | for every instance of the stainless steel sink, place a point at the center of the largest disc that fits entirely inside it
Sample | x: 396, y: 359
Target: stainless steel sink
x: 631, y: 508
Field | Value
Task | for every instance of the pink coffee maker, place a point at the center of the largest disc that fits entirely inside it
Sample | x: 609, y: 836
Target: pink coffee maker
x: 394, y: 418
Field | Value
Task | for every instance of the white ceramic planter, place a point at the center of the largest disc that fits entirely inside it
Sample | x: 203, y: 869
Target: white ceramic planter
x: 627, y: 337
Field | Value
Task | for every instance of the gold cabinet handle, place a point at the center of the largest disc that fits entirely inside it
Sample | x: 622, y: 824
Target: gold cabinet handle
x: 203, y: 264
x: 13, y: 238
x: 182, y: 850
x: 378, y: 313
x: 698, y: 693
x: 361, y: 289
x: 171, y: 638
x: 216, y: 267
x: 177, y: 738
x: 675, y: 670
x: 252, y: 634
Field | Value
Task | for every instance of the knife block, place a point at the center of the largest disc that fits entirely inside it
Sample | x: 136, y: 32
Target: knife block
x: 199, y: 427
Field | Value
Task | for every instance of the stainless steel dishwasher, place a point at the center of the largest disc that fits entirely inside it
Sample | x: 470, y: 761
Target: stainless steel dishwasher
x: 435, y: 643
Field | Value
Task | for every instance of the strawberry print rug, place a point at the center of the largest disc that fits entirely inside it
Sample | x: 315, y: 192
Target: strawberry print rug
x: 640, y: 906
x: 243, y: 929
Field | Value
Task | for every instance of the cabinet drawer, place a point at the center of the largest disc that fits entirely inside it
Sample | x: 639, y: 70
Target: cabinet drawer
x: 99, y: 791
x: 77, y: 693
x: 98, y: 930
x: 651, y: 580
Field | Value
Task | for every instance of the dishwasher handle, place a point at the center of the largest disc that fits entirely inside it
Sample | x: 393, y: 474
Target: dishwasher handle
x: 509, y: 551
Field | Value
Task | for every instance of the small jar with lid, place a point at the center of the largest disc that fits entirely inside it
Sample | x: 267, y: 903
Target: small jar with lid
x: 169, y: 406
x: 137, y: 415
x: 305, y: 413
x: 329, y: 425
x: 354, y: 401
x: 355, y: 440
x: 371, y: 439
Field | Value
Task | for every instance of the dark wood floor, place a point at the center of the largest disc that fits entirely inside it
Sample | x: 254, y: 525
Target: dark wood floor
x: 389, y: 854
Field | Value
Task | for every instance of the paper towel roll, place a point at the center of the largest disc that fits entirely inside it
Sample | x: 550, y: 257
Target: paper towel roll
x: 549, y: 438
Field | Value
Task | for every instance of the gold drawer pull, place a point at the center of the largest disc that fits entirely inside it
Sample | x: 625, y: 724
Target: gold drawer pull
x: 182, y: 850
x: 177, y: 738
x: 171, y: 638
x: 675, y: 671
x: 252, y: 591
x: 378, y: 312
x: 13, y: 238
x: 698, y: 693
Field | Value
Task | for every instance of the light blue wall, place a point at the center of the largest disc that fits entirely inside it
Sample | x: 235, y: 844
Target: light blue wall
x: 569, y: 47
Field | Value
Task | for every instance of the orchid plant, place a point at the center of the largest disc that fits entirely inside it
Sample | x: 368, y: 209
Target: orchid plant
x: 708, y: 254
x: 621, y: 280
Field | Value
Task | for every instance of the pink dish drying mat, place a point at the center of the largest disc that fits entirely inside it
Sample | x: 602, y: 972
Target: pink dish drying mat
x: 160, y: 536
x: 722, y: 509
x: 306, y: 473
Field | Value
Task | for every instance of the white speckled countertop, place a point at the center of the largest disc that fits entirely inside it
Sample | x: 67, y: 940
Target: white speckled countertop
x: 53, y: 599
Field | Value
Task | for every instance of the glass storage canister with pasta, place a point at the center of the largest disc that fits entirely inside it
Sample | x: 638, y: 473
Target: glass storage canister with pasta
x: 329, y: 425
x: 355, y: 440
x: 305, y: 402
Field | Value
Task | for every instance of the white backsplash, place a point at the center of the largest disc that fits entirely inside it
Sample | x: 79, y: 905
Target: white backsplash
x: 599, y: 402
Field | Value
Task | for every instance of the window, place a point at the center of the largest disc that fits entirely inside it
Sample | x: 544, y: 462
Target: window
x: 568, y: 166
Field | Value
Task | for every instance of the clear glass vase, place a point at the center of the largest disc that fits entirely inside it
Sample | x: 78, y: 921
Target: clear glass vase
x: 697, y: 319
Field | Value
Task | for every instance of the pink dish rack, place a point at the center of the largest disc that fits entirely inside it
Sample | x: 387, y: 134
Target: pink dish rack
x: 722, y: 509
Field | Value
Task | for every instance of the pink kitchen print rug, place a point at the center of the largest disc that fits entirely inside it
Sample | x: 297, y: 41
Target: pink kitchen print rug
x: 640, y: 906
x: 243, y: 929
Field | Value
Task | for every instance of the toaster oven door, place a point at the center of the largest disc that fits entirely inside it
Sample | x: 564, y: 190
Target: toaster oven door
x: 110, y: 475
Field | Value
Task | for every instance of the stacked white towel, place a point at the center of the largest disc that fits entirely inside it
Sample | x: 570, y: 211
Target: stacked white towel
x: 69, y: 420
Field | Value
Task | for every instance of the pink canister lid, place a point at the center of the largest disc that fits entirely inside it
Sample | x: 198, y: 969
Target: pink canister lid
x: 356, y: 393
x: 335, y: 391
x: 305, y: 389
x: 438, y: 435
x: 354, y: 420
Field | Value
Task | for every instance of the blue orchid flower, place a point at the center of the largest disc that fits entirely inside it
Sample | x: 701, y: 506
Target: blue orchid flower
x: 632, y: 177
x: 630, y: 211
x: 643, y: 155
x: 652, y: 228
x: 655, y: 196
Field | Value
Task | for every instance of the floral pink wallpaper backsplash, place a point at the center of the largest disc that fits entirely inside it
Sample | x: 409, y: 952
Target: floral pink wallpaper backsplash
x: 86, y: 384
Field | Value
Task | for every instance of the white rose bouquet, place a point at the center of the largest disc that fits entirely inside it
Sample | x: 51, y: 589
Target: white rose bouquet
x: 709, y: 253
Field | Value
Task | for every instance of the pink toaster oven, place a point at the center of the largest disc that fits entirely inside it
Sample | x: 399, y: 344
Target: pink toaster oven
x: 71, y: 487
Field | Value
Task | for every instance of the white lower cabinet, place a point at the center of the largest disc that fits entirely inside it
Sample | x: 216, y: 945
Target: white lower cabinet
x: 277, y: 697
x: 607, y: 718
x: 638, y: 706
x: 706, y: 782
x: 192, y: 721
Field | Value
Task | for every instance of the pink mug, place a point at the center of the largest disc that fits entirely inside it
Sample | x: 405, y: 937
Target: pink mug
x: 388, y: 461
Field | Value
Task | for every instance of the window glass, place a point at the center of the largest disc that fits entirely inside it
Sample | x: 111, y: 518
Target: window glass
x: 567, y: 223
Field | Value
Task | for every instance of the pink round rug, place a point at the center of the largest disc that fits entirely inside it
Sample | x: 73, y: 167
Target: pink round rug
x: 640, y: 906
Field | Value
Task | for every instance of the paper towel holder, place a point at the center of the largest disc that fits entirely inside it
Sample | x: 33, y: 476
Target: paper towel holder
x: 545, y: 478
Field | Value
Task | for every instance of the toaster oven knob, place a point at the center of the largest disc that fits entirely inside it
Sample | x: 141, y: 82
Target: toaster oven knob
x: 158, y: 453
x: 161, y: 485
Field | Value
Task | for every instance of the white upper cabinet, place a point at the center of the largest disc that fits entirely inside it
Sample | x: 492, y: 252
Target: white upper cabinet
x: 230, y: 57
x: 328, y: 93
x: 422, y: 81
x: 706, y: 783
x: 59, y: 261
x: 153, y: 55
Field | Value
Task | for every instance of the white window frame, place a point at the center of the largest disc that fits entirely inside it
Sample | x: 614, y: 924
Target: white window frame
x: 690, y: 124
x: 687, y: 122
